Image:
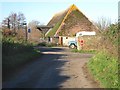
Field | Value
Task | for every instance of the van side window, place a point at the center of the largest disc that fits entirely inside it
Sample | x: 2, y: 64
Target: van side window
x: 80, y: 34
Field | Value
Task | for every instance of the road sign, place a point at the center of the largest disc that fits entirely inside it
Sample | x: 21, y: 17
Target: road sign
x: 29, y: 30
x: 81, y: 42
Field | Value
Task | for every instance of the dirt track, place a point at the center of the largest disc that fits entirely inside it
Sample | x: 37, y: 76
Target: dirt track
x: 57, y: 68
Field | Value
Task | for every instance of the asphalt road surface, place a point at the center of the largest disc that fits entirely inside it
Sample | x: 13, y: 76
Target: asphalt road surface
x: 56, y: 68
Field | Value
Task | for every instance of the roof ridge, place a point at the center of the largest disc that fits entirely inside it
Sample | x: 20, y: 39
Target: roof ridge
x: 71, y: 8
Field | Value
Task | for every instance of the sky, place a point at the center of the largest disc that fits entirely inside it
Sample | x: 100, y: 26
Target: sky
x: 119, y: 11
x: 44, y: 10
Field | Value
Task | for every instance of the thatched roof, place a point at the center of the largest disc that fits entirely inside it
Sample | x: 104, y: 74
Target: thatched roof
x: 57, y: 17
x: 69, y: 22
x: 55, y: 22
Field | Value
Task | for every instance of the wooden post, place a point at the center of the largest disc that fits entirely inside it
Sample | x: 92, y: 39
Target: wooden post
x: 26, y: 33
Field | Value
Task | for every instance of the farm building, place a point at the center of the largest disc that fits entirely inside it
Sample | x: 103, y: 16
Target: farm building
x: 66, y: 24
x: 69, y: 22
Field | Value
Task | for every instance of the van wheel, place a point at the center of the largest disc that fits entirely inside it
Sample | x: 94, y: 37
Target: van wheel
x: 73, y: 46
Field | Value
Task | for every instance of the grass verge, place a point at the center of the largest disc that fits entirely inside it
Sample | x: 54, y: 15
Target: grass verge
x: 15, y: 54
x: 104, y: 68
x: 84, y: 51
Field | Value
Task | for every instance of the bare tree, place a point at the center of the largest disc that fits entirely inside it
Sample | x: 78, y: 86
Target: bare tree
x: 13, y: 22
x: 20, y: 20
x: 6, y: 23
x: 103, y: 23
x: 33, y: 24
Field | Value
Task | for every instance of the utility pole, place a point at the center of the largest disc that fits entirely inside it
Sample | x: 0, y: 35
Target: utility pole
x: 26, y: 34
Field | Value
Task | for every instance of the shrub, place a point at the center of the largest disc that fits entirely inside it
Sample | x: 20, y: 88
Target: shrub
x: 15, y: 54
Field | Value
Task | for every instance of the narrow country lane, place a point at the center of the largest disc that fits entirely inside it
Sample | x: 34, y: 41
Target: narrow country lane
x: 56, y: 68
